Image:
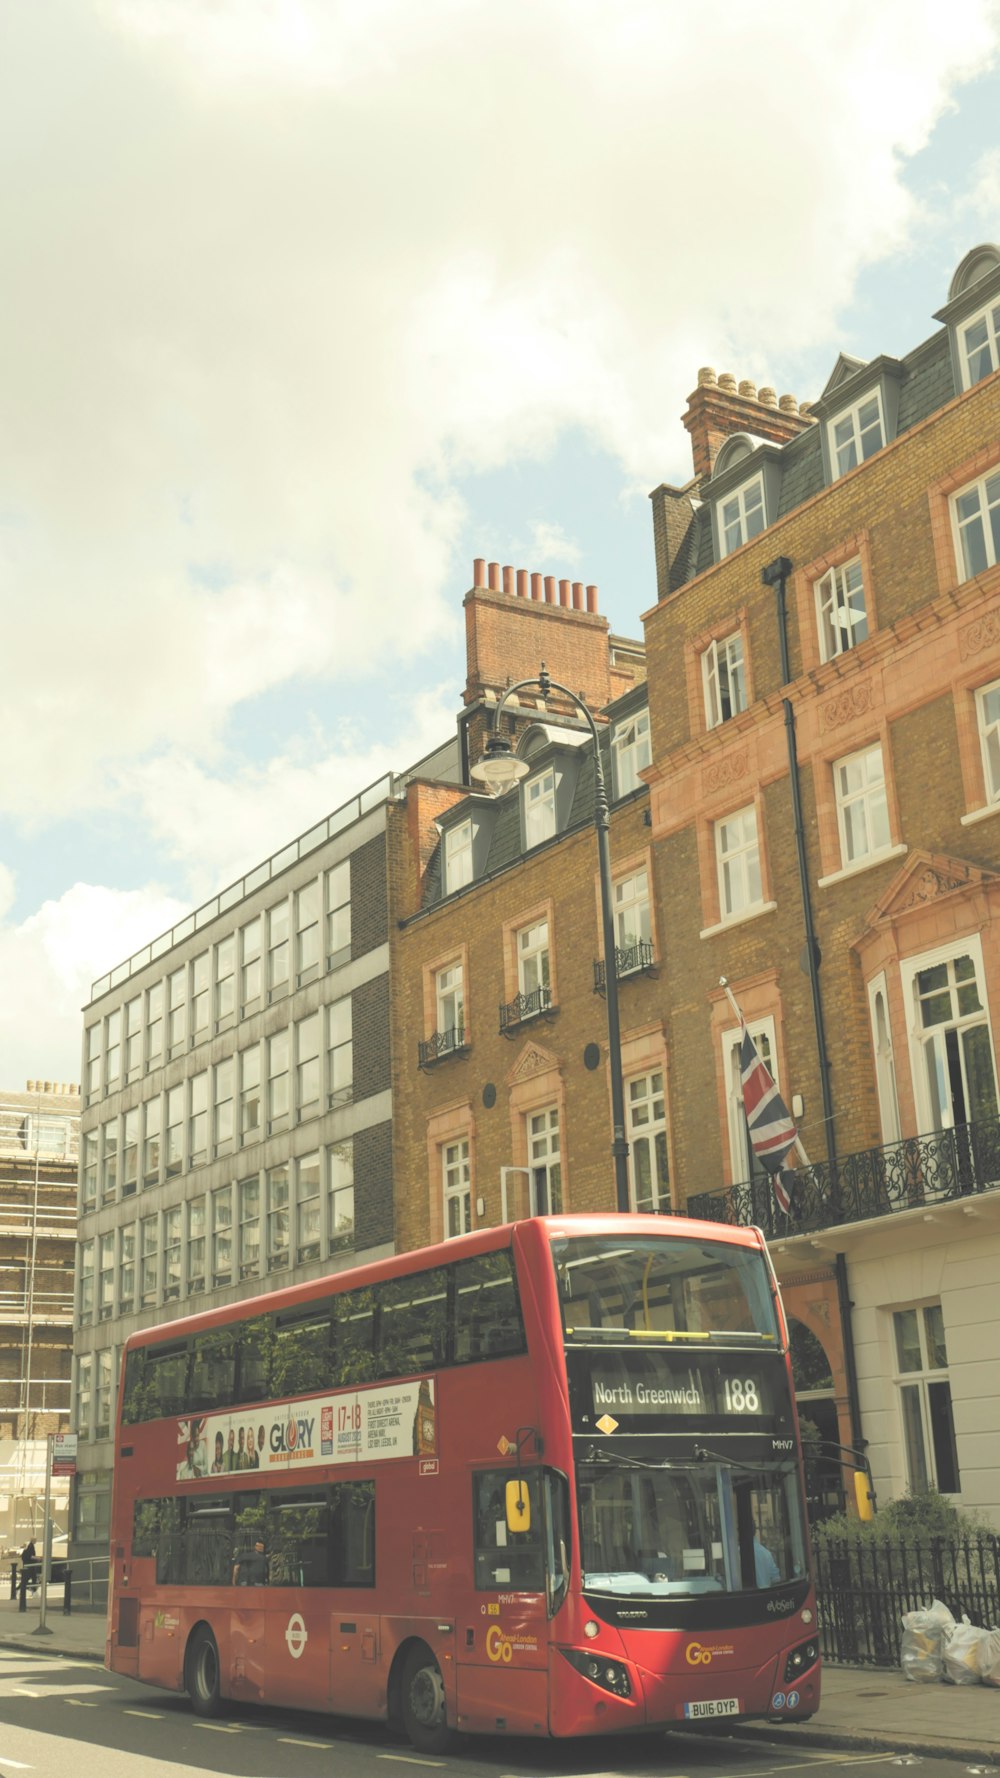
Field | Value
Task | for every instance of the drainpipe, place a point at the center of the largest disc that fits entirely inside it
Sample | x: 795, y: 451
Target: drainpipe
x: 776, y: 574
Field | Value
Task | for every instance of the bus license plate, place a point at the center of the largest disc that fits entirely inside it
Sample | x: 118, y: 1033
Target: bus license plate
x: 712, y: 1707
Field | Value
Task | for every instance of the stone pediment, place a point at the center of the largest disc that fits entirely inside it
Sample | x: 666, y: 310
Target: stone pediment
x: 532, y: 1060
x: 925, y: 877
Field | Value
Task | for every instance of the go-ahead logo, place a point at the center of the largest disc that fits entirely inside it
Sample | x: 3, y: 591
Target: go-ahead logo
x: 701, y: 1654
x: 498, y: 1646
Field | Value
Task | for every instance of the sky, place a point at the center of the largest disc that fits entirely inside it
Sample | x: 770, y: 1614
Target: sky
x: 307, y: 303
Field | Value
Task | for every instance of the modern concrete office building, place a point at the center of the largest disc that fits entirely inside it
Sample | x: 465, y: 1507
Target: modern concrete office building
x: 237, y: 1107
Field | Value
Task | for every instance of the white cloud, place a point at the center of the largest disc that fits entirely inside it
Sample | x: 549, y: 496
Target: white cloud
x: 48, y: 964
x: 551, y: 545
x: 278, y: 272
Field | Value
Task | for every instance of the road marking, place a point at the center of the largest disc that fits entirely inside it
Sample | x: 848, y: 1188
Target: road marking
x: 219, y: 1728
x: 21, y: 1691
x: 82, y: 1703
x: 17, y: 1763
x: 153, y: 1715
x: 409, y: 1759
x: 292, y: 1741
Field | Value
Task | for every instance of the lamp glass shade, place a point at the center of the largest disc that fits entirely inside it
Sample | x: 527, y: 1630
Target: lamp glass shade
x: 499, y: 770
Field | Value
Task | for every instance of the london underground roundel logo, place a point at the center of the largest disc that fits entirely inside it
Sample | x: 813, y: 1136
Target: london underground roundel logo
x: 296, y: 1635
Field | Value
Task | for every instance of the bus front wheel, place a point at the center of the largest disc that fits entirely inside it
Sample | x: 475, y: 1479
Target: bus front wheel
x: 422, y: 1703
x: 201, y: 1673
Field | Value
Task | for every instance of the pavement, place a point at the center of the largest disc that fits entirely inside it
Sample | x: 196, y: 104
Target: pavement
x: 862, y: 1708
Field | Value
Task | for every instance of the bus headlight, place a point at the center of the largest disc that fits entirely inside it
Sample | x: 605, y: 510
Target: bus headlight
x: 611, y: 1676
x: 806, y: 1655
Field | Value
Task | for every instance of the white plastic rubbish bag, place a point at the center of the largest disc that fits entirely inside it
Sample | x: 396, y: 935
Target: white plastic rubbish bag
x: 989, y: 1658
x: 925, y: 1633
x: 961, y: 1655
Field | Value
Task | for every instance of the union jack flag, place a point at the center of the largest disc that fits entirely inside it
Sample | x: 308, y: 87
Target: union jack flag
x: 772, y: 1132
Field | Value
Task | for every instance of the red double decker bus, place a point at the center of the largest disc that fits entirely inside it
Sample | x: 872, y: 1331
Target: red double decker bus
x: 542, y: 1480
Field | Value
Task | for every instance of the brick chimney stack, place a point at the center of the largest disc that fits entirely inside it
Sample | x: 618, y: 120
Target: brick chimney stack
x: 515, y: 619
x: 719, y: 407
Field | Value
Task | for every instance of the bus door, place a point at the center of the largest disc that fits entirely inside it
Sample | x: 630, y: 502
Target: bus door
x: 357, y: 1677
x: 503, y: 1637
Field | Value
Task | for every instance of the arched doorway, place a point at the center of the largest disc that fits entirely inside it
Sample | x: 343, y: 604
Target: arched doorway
x: 814, y: 1396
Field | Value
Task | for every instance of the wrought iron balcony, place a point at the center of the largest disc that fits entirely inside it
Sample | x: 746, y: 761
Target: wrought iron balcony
x: 443, y: 1043
x: 634, y: 959
x: 523, y: 1007
x: 913, y: 1174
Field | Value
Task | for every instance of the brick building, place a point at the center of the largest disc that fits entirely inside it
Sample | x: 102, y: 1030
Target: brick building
x: 38, y: 1177
x: 804, y: 777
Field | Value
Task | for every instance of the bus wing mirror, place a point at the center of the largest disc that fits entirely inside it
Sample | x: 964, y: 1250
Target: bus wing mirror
x: 518, y: 1505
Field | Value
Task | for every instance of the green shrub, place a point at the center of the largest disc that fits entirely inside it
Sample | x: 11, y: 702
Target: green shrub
x: 911, y: 1519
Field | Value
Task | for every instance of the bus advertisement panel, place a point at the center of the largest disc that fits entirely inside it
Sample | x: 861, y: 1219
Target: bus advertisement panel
x: 544, y: 1479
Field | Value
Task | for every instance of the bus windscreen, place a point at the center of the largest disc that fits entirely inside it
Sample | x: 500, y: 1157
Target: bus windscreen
x: 649, y: 1286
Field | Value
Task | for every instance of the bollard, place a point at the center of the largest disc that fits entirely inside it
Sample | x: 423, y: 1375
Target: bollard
x: 13, y: 1580
x: 68, y: 1592
x: 22, y: 1598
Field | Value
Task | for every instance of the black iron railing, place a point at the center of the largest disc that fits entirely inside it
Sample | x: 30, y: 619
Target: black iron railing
x: 863, y: 1588
x: 917, y: 1172
x: 443, y: 1043
x: 629, y: 960
x: 524, y: 1006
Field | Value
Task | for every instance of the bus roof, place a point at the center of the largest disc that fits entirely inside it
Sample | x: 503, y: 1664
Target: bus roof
x: 488, y: 1240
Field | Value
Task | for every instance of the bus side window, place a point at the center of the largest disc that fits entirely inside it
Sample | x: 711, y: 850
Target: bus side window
x: 353, y: 1535
x: 487, y: 1314
x: 506, y: 1559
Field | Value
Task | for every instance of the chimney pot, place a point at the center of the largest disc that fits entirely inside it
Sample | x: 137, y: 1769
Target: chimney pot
x: 550, y: 589
x: 522, y: 583
x: 748, y: 389
x: 578, y: 595
x: 48, y: 1086
x: 591, y: 598
x: 536, y: 586
x: 767, y: 397
x: 565, y: 596
x: 495, y: 576
x: 788, y: 404
x: 479, y: 571
x: 727, y: 383
x: 706, y: 377
x: 508, y: 580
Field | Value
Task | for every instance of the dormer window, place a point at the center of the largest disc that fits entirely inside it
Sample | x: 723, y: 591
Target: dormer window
x: 858, y: 434
x: 980, y: 344
x: 457, y: 857
x: 743, y: 515
x: 540, y: 807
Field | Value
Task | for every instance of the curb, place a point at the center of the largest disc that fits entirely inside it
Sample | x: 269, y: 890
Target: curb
x: 33, y: 1645
x: 853, y: 1741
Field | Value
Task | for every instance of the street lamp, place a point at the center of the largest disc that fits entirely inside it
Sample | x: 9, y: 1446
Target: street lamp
x: 499, y: 770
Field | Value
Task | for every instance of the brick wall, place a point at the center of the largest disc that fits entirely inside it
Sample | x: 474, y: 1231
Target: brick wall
x: 370, y: 1019
x: 369, y: 906
x: 373, y: 1218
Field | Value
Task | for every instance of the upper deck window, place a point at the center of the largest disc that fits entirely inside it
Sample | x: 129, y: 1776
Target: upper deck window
x: 658, y: 1284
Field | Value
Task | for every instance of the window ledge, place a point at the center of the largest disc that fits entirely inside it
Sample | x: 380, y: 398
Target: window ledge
x: 975, y: 815
x: 764, y: 907
x: 863, y: 864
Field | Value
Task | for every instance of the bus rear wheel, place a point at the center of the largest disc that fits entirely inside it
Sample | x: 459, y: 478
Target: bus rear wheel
x: 422, y: 1702
x: 201, y: 1673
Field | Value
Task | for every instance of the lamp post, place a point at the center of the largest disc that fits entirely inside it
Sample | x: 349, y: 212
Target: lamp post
x: 499, y: 770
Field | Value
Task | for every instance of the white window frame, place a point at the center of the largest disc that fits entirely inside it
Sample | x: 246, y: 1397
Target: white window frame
x: 307, y: 932
x: 986, y: 489
x: 340, y: 1054
x: 646, y: 1122
x: 534, y: 959
x: 88, y: 1262
x: 741, y: 883
x: 632, y: 752
x: 540, y: 807
x: 308, y: 1208
x: 449, y: 1003
x: 337, y: 900
x: 152, y: 1140
x: 738, y: 515
x: 339, y: 1166
x: 921, y: 1381
x: 989, y: 738
x: 842, y: 623
x: 544, y: 1143
x: 221, y: 1235
x: 195, y: 1236
x: 885, y: 1062
x: 909, y: 969
x: 172, y: 1244
x: 278, y: 1221
x: 860, y: 436
x: 632, y: 915
x: 456, y: 1187
x: 872, y: 798
x: 308, y: 1066
x: 723, y: 677
x: 989, y: 318
x: 251, y: 964
x: 457, y: 857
